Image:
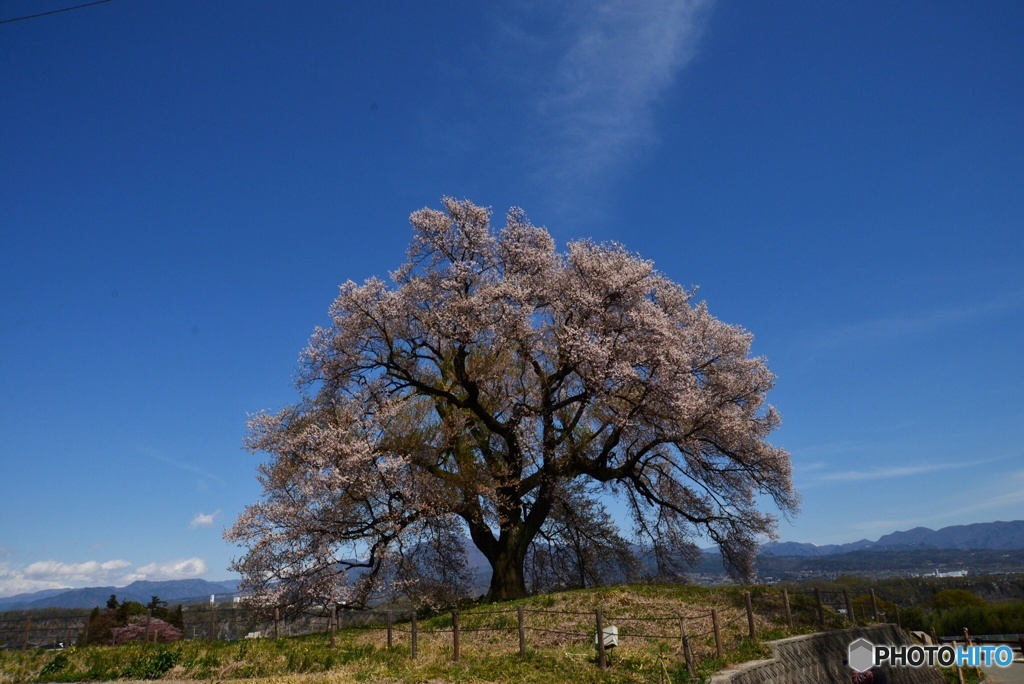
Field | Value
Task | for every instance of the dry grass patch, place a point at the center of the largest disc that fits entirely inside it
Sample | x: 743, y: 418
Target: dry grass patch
x: 560, y: 632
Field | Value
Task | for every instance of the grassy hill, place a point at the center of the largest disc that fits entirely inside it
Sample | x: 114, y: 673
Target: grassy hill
x: 559, y: 630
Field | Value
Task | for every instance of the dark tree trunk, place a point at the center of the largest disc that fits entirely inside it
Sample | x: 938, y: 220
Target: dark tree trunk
x: 507, y: 553
x: 507, y: 556
x: 507, y: 578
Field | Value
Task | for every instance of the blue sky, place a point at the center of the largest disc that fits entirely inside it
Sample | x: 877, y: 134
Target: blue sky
x: 183, y: 186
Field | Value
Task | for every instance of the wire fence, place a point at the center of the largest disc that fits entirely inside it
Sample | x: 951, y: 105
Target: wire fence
x: 691, y: 635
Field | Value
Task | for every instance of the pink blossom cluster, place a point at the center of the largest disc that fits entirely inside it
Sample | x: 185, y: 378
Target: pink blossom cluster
x: 137, y: 630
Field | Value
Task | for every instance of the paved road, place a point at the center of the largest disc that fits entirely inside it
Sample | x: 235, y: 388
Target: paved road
x: 1005, y: 675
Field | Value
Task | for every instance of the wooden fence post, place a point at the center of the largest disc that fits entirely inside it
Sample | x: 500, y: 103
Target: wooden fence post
x: 821, y: 608
x: 415, y: 637
x: 718, y: 634
x: 332, y: 623
x: 750, y: 614
x: 849, y: 606
x: 85, y: 634
x: 687, y: 654
x: 213, y: 622
x: 455, y: 635
x: 28, y: 626
x: 601, y: 662
x: 789, y: 613
x: 149, y: 617
x: 521, y: 619
x: 390, y: 630
x: 277, y: 619
x: 874, y: 605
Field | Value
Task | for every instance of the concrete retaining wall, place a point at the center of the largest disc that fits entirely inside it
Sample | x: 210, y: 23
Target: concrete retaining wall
x: 821, y: 659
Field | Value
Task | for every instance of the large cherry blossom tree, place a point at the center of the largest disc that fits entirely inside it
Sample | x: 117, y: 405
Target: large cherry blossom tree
x: 493, y: 385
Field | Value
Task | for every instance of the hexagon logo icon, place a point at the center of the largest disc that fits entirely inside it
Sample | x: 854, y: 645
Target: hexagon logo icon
x: 862, y: 655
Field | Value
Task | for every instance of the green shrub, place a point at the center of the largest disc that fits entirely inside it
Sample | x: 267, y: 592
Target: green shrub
x: 54, y: 666
x: 914, y: 618
x: 955, y: 598
x: 1003, y: 618
x: 101, y: 665
x: 148, y: 666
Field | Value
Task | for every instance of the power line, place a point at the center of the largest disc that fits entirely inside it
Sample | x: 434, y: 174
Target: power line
x: 58, y: 11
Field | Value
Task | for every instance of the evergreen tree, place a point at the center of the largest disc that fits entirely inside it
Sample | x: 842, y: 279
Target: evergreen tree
x: 176, y: 617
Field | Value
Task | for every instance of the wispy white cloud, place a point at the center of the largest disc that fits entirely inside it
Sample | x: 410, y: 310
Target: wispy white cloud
x: 179, y: 569
x: 58, y: 575
x: 890, y: 329
x: 886, y: 458
x: 204, y: 519
x: 75, y: 572
x: 999, y: 498
x: 873, y: 529
x: 13, y: 581
x: 1005, y: 493
x: 821, y: 475
x: 182, y: 465
x: 619, y: 57
x: 887, y: 473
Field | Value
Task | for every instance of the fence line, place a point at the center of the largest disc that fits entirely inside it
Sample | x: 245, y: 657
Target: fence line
x: 699, y: 636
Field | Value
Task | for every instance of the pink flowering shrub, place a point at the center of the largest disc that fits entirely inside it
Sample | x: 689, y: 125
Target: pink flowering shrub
x: 135, y: 630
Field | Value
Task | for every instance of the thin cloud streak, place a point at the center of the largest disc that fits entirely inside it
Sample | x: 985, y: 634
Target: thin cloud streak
x: 1006, y: 494
x: 186, y: 467
x: 892, y: 472
x: 874, y: 529
x: 894, y: 328
x: 621, y: 57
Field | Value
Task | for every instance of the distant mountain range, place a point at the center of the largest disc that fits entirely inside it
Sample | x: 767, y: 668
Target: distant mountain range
x: 172, y: 591
x: 979, y: 536
x: 991, y: 536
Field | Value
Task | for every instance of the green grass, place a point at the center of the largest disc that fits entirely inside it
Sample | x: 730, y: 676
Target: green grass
x: 486, y: 656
